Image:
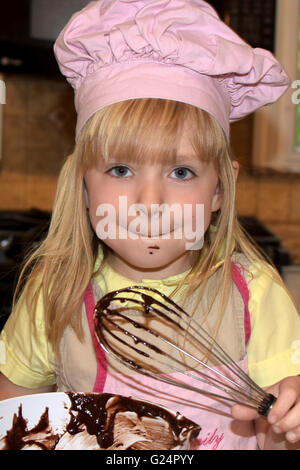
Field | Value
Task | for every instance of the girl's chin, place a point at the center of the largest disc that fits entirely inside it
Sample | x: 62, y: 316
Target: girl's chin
x: 151, y: 259
x: 152, y: 255
x: 149, y: 262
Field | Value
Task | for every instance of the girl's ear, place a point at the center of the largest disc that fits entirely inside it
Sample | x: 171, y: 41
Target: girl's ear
x: 236, y: 168
x: 86, y: 197
x: 218, y: 197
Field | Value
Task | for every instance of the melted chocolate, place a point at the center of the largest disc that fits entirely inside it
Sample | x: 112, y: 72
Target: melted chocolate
x: 103, y: 314
x: 96, y: 414
x: 18, y: 436
x: 106, y: 317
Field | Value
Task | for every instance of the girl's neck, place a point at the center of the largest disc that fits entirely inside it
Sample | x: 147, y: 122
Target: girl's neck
x: 136, y: 274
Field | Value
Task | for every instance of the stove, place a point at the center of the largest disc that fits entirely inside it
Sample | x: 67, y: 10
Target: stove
x: 20, y: 231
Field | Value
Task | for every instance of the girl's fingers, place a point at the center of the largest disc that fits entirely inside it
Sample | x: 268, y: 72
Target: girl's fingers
x: 243, y: 413
x: 293, y: 435
x: 291, y: 420
x: 285, y: 414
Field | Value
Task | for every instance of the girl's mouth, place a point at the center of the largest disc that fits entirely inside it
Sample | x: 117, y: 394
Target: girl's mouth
x: 152, y: 235
x: 155, y: 247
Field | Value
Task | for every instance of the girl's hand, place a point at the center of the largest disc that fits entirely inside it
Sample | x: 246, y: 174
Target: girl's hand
x: 283, y: 418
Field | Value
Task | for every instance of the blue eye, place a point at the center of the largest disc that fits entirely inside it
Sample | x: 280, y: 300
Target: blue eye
x: 183, y: 173
x: 120, y: 171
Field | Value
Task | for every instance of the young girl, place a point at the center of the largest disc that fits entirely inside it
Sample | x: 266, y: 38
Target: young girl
x: 157, y: 84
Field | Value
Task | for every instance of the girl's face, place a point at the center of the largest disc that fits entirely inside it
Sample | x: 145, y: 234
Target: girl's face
x: 141, y: 250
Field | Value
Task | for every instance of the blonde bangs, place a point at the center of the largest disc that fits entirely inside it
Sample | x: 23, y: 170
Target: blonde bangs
x: 149, y: 130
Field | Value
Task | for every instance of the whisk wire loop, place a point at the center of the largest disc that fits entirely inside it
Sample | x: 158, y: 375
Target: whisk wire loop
x: 242, y: 389
x: 198, y: 374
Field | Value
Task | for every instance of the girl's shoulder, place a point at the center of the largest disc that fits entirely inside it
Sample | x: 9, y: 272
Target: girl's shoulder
x: 255, y: 270
x: 267, y: 291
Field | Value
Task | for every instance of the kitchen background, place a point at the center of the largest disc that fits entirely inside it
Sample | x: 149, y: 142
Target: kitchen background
x: 38, y: 133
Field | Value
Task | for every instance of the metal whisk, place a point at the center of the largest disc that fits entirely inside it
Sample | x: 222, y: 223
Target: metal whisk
x: 155, y: 337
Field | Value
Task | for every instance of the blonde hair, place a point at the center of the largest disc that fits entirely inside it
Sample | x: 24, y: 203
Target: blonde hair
x: 59, y: 271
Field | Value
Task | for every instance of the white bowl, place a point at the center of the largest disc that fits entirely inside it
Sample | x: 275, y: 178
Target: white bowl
x: 43, y: 422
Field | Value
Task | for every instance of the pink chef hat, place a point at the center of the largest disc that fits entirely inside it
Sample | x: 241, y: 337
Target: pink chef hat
x: 115, y: 50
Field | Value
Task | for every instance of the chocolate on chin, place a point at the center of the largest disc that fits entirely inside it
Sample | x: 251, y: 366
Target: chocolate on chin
x: 104, y: 422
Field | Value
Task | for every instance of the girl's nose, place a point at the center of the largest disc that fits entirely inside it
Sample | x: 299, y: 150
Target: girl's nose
x: 150, y: 192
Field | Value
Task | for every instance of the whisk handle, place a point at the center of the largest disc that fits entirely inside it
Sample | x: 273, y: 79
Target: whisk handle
x: 266, y: 405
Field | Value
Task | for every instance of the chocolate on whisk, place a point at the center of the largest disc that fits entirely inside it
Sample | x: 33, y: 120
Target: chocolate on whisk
x: 121, y: 321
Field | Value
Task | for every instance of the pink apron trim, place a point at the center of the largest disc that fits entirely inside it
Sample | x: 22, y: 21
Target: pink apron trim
x: 242, y: 286
x: 100, y: 354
